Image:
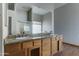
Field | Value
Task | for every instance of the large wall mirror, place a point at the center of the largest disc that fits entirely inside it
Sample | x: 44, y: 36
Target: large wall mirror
x: 29, y: 20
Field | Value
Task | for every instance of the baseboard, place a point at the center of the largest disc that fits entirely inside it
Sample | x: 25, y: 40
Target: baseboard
x: 71, y: 44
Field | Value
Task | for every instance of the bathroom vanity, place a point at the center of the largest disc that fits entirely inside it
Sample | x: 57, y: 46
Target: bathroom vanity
x: 42, y: 46
x: 30, y: 21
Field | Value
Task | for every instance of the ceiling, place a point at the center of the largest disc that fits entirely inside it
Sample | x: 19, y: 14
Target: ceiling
x: 46, y: 6
x: 39, y: 11
x: 57, y: 5
x: 42, y: 7
x: 0, y: 9
x: 50, y: 6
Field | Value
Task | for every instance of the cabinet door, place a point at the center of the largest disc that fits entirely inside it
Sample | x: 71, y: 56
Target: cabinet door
x: 46, y: 47
x: 54, y: 46
x: 60, y: 45
x: 16, y: 53
x: 12, y: 49
x: 37, y: 43
x: 26, y: 45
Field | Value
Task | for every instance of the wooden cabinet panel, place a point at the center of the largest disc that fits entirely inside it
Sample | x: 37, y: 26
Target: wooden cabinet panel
x: 46, y: 41
x: 46, y: 53
x: 46, y: 47
x: 37, y: 43
x: 27, y: 44
x: 16, y: 53
x: 12, y: 49
x: 34, y: 51
x: 54, y: 46
x: 61, y: 38
x: 60, y: 45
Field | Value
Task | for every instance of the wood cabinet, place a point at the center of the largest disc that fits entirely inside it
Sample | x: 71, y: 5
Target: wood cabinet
x: 33, y: 44
x: 13, y: 49
x: 37, y: 43
x: 26, y: 45
x: 54, y: 46
x: 60, y: 45
x: 46, y: 47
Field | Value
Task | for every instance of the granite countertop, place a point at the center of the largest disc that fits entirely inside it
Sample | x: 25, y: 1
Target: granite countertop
x: 22, y: 39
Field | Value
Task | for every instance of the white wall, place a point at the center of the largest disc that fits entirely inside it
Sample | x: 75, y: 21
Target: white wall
x: 12, y: 14
x: 16, y: 15
x: 0, y: 29
x: 21, y: 15
x: 36, y: 17
x: 47, y: 22
x: 4, y: 25
x: 48, y: 7
x: 36, y: 28
x: 67, y: 22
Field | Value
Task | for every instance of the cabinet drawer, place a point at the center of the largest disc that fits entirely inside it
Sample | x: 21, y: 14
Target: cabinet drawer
x: 46, y: 42
x: 28, y: 44
x: 37, y: 42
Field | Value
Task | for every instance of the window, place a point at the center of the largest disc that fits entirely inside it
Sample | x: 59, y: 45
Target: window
x: 9, y: 26
x: 26, y: 28
x: 11, y: 6
x: 36, y: 27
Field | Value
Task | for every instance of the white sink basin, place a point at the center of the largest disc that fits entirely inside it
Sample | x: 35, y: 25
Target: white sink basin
x: 19, y: 38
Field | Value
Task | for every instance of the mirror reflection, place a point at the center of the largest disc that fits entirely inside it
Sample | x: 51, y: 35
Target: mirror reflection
x: 27, y: 20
